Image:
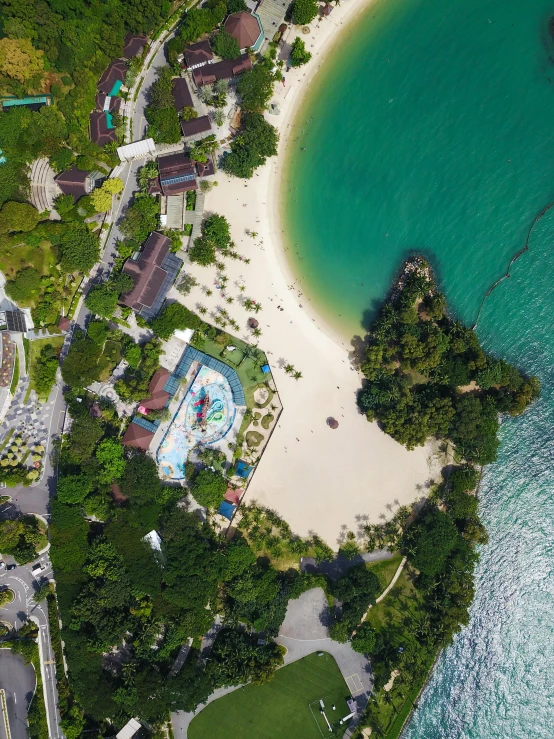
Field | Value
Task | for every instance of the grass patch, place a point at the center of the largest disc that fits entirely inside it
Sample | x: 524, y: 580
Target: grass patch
x: 35, y: 349
x: 254, y: 439
x: 6, y: 439
x: 402, y: 601
x: 267, y: 420
x: 15, y: 378
x: 249, y: 372
x: 385, y: 570
x: 15, y: 258
x: 285, y: 708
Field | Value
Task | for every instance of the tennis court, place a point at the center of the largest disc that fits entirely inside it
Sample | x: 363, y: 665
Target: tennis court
x: 285, y: 708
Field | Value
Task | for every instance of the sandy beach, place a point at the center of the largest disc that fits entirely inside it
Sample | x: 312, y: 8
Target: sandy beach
x: 320, y: 480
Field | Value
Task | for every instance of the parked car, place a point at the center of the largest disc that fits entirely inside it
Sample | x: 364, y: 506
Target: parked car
x: 11, y: 567
x: 37, y: 568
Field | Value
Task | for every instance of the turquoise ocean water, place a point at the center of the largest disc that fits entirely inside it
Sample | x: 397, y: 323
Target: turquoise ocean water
x: 435, y: 133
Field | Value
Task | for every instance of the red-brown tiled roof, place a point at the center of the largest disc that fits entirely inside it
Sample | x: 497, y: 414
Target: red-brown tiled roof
x: 200, y: 53
x: 147, y: 272
x: 115, y: 71
x: 137, y: 436
x: 134, y: 44
x: 196, y: 125
x: 99, y: 132
x: 244, y: 28
x: 64, y: 323
x: 115, y: 102
x: 72, y: 182
x: 181, y: 94
x: 221, y: 71
x: 158, y: 396
x: 205, y: 169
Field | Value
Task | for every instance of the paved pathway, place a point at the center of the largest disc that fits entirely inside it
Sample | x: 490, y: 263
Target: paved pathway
x: 23, y: 608
x: 18, y: 682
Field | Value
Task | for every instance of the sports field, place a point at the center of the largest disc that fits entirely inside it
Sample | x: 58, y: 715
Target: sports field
x: 285, y: 708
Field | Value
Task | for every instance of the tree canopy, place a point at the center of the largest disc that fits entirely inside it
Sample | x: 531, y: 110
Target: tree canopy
x: 304, y: 11
x: 256, y: 141
x: 419, y: 365
x: 225, y: 45
x: 174, y: 316
x: 80, y: 249
x: 208, y: 488
x: 255, y: 87
x: 299, y: 55
x: 18, y: 216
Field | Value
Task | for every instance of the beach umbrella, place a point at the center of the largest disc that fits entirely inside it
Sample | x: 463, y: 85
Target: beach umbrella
x: 332, y: 423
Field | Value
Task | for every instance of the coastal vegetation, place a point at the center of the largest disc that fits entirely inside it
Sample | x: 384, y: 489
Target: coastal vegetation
x: 256, y: 142
x: 428, y: 376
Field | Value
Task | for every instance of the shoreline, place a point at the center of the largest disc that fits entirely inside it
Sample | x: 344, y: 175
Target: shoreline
x: 326, y: 32
x: 319, y: 480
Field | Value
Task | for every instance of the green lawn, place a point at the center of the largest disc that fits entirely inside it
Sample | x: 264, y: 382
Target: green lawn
x: 42, y: 258
x: 385, y: 570
x: 35, y: 347
x: 15, y: 376
x: 249, y: 372
x: 285, y: 708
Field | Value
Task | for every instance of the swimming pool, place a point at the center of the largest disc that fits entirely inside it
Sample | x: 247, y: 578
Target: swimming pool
x: 204, y: 417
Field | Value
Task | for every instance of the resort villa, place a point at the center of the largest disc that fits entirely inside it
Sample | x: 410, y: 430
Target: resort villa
x: 153, y: 270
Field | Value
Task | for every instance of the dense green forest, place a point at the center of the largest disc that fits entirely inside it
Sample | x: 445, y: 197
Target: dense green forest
x: 126, y: 609
x: 428, y: 376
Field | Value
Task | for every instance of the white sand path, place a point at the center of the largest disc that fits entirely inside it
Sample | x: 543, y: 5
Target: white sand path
x: 320, y: 480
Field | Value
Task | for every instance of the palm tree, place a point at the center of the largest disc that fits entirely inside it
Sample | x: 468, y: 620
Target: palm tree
x: 248, y: 304
x: 297, y: 375
x: 289, y: 369
x: 230, y: 300
x: 242, y: 288
x: 209, y: 292
x: 253, y: 234
x: 256, y: 332
x: 257, y: 307
x: 202, y: 310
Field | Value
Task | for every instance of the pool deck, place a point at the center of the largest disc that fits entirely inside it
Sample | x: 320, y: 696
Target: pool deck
x: 179, y: 398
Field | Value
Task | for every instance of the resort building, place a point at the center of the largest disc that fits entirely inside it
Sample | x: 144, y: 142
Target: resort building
x: 271, y: 14
x: 113, y: 77
x: 153, y: 271
x: 158, y: 397
x: 143, y: 149
x: 101, y: 128
x: 196, y: 128
x: 181, y: 94
x: 140, y: 433
x: 134, y: 45
x: 177, y: 173
x: 223, y: 70
x: 196, y: 55
x: 75, y: 182
x: 246, y: 28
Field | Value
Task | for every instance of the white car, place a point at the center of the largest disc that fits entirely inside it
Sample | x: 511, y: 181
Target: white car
x: 37, y: 568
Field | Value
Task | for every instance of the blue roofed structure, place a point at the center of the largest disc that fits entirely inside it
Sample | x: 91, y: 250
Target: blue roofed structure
x: 227, y: 509
x: 194, y: 355
x: 243, y: 469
